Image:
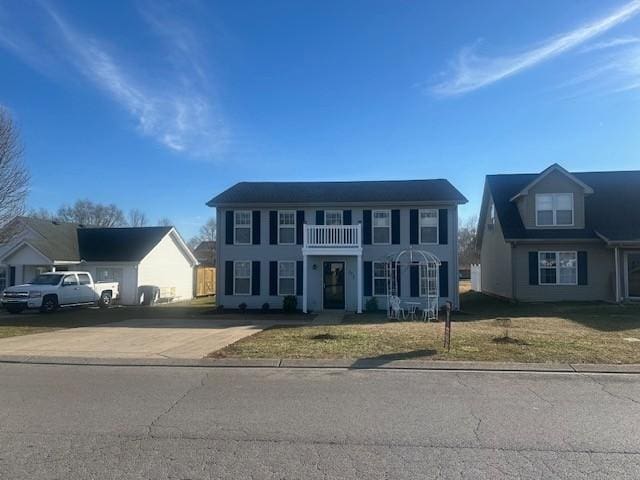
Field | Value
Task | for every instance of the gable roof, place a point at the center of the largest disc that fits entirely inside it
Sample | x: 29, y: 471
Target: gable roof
x: 55, y: 240
x: 298, y: 193
x: 608, y: 211
x: 553, y: 168
x: 126, y: 244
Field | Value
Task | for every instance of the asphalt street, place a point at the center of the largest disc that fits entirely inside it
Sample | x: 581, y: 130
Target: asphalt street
x: 82, y: 422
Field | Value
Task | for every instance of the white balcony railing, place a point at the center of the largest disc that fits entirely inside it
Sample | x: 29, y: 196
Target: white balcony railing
x: 332, y: 236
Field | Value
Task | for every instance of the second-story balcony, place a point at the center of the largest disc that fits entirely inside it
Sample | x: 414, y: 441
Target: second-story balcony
x: 333, y: 236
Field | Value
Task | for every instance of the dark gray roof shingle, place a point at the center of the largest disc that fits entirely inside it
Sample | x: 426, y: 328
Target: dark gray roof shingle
x: 611, y: 211
x: 299, y: 193
x: 128, y: 244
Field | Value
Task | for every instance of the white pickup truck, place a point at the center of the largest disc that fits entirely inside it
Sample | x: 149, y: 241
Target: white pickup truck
x: 49, y: 291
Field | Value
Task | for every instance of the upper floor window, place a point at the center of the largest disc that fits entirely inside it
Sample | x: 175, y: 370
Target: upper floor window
x: 428, y: 226
x: 558, y: 268
x: 554, y: 209
x: 382, y: 227
x: 287, y: 227
x: 242, y: 227
x: 492, y: 214
x: 333, y: 217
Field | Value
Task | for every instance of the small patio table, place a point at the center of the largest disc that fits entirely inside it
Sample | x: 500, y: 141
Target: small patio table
x: 411, y: 309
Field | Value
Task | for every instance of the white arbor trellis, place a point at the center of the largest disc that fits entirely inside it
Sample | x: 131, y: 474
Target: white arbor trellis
x: 427, y: 267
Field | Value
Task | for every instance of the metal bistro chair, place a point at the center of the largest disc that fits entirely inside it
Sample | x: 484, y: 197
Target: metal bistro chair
x: 396, y: 309
x: 430, y: 311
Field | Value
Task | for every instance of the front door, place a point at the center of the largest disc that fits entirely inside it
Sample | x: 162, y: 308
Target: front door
x: 333, y: 281
x: 633, y: 274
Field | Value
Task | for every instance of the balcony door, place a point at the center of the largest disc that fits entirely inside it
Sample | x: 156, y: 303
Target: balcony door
x: 633, y: 275
x: 333, y: 285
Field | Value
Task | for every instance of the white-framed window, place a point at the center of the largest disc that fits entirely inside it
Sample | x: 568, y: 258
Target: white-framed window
x: 428, y: 281
x: 428, y: 226
x: 492, y: 214
x: 381, y: 227
x: 554, y: 209
x: 379, y: 278
x: 333, y: 217
x: 286, y: 278
x: 242, y: 227
x: 3, y: 278
x: 558, y: 268
x: 104, y: 274
x: 242, y: 278
x: 287, y: 227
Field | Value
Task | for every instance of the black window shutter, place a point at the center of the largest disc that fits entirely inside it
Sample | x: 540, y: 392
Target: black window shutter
x: 413, y: 226
x: 395, y: 227
x: 583, y: 270
x: 299, y: 226
x: 368, y: 279
x: 273, y: 227
x: 443, y: 226
x: 12, y: 276
x: 346, y: 217
x: 366, y: 227
x: 228, y: 278
x: 255, y: 278
x: 533, y: 268
x: 319, y: 217
x: 255, y: 227
x: 273, y: 279
x: 299, y: 277
x: 443, y: 280
x: 228, y: 227
x: 414, y: 280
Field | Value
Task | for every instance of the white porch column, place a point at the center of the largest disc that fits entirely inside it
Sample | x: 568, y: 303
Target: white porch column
x: 359, y: 280
x: 304, y: 283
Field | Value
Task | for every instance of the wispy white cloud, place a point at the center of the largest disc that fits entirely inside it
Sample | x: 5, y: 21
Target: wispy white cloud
x: 471, y: 71
x: 178, y: 112
x: 610, y: 43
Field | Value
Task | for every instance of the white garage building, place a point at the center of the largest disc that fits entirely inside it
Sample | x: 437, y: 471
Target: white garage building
x: 132, y: 256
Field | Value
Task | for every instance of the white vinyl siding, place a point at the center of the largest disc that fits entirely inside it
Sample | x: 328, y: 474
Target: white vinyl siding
x: 242, y: 278
x: 381, y: 226
x: 554, y: 209
x: 286, y: 278
x: 379, y: 279
x: 287, y: 227
x: 242, y: 227
x: 333, y: 217
x: 558, y: 268
x: 428, y: 226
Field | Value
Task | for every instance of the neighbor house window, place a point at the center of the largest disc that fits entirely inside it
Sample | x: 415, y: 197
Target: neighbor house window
x: 108, y: 275
x: 242, y: 278
x: 379, y: 278
x: 3, y: 278
x: 428, y: 226
x: 287, y: 227
x: 242, y: 227
x: 558, y: 268
x: 333, y: 217
x: 554, y: 209
x: 492, y: 215
x: 428, y: 281
x: 286, y: 278
x: 382, y: 226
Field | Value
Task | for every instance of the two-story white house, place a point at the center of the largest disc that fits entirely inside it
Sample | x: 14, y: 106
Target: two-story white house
x: 326, y: 242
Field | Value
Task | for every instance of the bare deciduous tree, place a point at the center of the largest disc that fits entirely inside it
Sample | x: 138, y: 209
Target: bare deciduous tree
x: 88, y: 213
x: 165, y: 222
x: 468, y: 252
x: 207, y: 232
x: 137, y: 218
x: 14, y: 177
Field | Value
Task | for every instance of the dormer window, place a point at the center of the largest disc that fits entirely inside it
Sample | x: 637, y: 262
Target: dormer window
x: 554, y: 209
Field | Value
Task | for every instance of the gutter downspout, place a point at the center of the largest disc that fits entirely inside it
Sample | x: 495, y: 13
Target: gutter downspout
x: 617, y: 262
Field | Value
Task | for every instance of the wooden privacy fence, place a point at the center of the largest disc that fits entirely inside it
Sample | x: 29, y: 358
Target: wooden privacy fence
x: 205, y: 281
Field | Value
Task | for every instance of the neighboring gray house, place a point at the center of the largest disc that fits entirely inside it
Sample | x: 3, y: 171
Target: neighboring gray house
x: 324, y: 241
x: 558, y: 235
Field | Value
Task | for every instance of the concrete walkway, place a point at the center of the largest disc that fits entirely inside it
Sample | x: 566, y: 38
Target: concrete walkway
x: 135, y: 339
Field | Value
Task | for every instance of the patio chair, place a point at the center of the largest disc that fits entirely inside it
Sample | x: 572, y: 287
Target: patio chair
x: 395, y: 309
x: 430, y: 311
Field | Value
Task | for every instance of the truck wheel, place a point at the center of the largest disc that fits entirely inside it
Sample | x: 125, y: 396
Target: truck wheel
x: 14, y: 308
x: 105, y: 300
x: 49, y: 304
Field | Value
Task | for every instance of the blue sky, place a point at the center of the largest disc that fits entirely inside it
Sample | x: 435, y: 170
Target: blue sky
x: 160, y: 105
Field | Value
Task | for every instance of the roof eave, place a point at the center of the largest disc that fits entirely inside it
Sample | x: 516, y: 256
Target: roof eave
x: 330, y: 203
x: 555, y: 167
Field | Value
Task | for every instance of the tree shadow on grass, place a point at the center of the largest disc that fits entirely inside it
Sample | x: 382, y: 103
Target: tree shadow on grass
x: 379, y: 360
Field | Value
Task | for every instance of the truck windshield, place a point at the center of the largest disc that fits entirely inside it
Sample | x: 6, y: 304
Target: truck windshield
x: 46, y: 280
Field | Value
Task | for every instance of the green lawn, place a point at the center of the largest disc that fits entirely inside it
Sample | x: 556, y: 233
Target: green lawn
x: 563, y: 332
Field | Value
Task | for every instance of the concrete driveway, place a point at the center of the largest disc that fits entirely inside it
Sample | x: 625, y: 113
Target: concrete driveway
x: 186, y: 338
